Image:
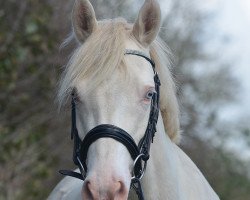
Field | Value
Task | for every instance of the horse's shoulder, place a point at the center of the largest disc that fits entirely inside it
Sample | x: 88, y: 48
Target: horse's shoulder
x: 67, y: 189
x: 193, y: 178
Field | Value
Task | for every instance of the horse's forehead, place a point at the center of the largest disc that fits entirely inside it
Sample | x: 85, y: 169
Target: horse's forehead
x: 116, y: 79
x: 134, y: 73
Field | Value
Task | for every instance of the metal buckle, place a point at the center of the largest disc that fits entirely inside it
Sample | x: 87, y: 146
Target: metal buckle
x: 134, y: 176
x: 157, y: 79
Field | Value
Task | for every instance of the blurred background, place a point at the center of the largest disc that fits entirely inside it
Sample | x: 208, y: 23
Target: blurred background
x: 211, y: 43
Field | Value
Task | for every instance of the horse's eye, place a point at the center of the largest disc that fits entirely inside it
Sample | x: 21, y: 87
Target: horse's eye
x: 150, y: 95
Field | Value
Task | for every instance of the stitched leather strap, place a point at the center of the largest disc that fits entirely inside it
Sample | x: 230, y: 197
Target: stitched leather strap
x: 109, y: 131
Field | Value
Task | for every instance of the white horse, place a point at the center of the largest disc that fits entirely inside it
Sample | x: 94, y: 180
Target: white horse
x: 113, y: 88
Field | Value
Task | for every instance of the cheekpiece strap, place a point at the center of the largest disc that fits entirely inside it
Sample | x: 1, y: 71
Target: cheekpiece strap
x: 136, y: 185
x: 74, y: 131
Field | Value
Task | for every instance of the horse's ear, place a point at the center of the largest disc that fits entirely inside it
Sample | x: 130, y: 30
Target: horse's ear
x: 148, y: 23
x: 83, y: 20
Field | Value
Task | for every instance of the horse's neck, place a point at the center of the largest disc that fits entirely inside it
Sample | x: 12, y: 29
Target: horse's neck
x: 160, y: 180
x: 171, y: 174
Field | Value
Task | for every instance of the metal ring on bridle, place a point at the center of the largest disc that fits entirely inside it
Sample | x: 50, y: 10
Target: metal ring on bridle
x: 143, y: 169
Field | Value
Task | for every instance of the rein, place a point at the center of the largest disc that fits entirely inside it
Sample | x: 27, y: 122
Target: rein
x: 139, y: 152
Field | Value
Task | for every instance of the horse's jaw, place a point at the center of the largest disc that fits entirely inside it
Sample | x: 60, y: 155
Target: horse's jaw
x: 161, y: 178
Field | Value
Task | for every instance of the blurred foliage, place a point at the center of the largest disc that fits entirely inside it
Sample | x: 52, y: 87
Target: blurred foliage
x: 26, y: 84
x: 226, y: 173
x: 33, y: 140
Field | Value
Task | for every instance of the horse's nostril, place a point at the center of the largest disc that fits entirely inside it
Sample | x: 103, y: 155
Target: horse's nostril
x: 121, y: 189
x: 88, y: 191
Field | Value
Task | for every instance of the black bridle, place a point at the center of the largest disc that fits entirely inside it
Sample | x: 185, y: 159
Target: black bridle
x: 139, y: 153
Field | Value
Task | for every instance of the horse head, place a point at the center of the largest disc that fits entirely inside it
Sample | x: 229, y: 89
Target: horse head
x: 111, y: 86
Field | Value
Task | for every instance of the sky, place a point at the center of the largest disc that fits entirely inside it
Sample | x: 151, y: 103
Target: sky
x: 229, y: 27
x: 232, y: 18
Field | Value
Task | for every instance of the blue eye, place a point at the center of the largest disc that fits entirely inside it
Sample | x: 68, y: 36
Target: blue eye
x: 150, y: 95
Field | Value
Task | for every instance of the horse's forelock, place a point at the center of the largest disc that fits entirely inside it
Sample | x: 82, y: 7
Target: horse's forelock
x: 96, y: 59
